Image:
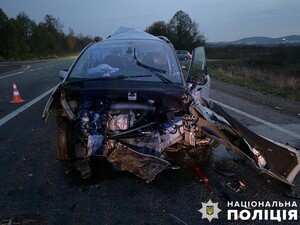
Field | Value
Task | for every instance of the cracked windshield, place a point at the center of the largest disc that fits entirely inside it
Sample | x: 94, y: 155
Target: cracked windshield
x: 113, y: 59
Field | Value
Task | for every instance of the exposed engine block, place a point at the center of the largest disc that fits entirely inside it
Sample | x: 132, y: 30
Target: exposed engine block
x: 121, y: 122
x: 110, y: 129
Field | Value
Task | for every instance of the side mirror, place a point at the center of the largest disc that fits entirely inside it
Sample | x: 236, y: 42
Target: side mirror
x: 198, y: 63
x: 197, y: 76
x: 63, y: 73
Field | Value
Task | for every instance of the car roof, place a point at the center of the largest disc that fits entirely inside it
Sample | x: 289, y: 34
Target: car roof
x: 126, y: 33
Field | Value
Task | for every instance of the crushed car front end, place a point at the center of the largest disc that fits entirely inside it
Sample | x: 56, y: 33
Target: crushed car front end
x: 125, y: 100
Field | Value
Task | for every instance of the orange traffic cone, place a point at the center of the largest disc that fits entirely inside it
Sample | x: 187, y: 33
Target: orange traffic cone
x: 16, y: 96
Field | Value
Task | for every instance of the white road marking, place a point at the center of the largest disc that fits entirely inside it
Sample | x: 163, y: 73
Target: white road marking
x: 20, y: 72
x: 10, y: 75
x: 24, y: 107
x: 283, y: 130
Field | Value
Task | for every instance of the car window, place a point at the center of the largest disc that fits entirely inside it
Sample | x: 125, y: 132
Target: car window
x: 111, y: 58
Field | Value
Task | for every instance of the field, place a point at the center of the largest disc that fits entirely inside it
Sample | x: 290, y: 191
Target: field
x: 272, y: 70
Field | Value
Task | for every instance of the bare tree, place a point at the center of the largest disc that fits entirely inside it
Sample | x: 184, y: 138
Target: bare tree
x: 71, y: 39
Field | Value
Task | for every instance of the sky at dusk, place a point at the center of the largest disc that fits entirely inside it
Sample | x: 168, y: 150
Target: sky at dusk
x: 219, y: 20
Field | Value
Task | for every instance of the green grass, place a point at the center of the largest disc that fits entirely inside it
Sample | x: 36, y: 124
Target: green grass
x: 257, y: 85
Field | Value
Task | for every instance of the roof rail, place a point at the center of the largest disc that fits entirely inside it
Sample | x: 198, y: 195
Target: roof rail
x: 164, y: 39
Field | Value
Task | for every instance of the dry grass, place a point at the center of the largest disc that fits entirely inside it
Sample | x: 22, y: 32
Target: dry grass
x: 278, y: 79
x: 259, y: 80
x: 270, y: 69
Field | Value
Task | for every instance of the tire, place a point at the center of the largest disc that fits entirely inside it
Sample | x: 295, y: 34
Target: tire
x: 64, y: 138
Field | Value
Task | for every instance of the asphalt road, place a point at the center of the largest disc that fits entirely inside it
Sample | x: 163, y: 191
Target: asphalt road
x: 35, y: 188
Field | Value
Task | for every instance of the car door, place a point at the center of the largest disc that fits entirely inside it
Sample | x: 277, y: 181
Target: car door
x: 198, y: 78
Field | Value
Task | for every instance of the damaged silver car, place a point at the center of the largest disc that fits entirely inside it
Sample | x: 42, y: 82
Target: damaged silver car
x: 127, y: 101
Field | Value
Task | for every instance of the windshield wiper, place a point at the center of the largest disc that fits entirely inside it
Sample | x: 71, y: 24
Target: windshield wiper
x: 107, y: 78
x: 153, y: 70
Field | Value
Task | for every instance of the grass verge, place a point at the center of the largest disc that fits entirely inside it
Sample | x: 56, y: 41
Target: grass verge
x: 257, y: 85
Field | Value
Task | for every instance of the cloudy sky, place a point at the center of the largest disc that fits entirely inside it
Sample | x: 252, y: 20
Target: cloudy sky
x: 219, y: 20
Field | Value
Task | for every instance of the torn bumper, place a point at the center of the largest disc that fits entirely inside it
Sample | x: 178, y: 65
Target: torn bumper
x: 277, y: 160
x: 142, y: 165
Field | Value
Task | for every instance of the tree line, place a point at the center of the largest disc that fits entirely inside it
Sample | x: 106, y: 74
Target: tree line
x: 22, y: 38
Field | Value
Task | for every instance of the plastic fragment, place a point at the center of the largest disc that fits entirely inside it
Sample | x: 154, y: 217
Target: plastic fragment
x: 202, y: 177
